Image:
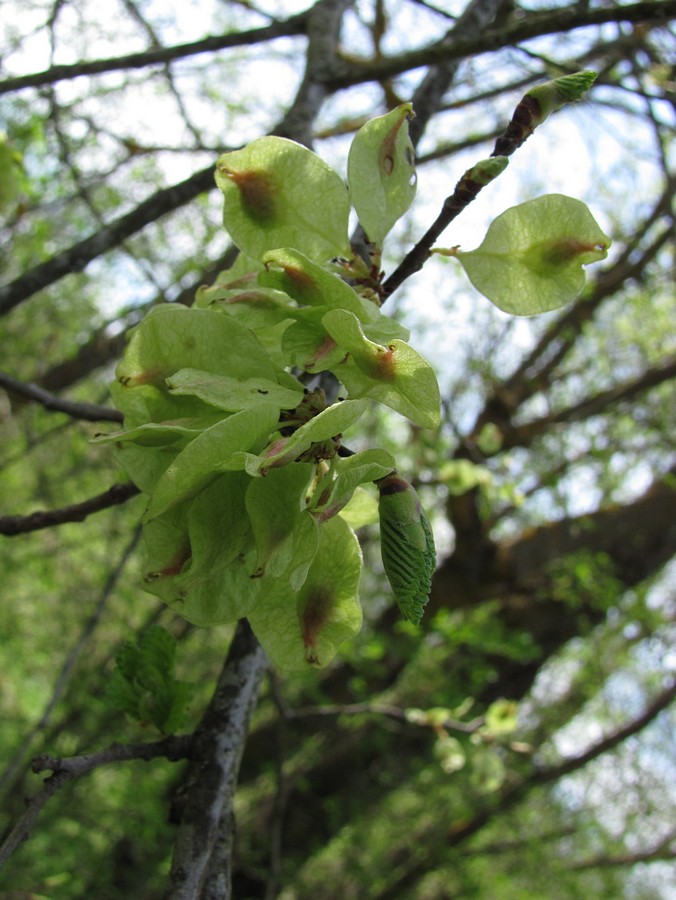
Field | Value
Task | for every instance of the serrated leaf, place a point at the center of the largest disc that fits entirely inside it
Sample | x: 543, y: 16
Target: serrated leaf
x: 395, y: 375
x: 407, y: 546
x: 304, y: 629
x: 381, y: 172
x: 279, y: 194
x: 532, y: 256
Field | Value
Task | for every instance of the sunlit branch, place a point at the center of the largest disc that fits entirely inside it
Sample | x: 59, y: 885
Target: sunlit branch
x: 76, y: 512
x: 157, y: 55
x: 523, y: 435
x: 90, y: 412
x: 173, y: 748
x: 77, y: 257
x: 536, y: 24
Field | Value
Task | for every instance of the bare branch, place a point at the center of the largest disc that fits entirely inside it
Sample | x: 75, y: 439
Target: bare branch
x: 173, y: 748
x: 76, y: 512
x: 206, y: 817
x: 77, y: 257
x: 291, y: 26
x: 90, y: 412
x: 535, y: 24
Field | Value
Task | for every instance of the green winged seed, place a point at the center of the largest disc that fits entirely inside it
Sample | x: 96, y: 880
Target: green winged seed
x: 407, y: 545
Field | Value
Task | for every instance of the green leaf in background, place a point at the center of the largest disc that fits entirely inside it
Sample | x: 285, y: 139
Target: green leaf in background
x: 532, y: 256
x: 11, y: 173
x: 144, y: 685
x: 304, y: 629
x: 395, y: 375
x: 407, y: 545
x: 279, y: 194
x: 381, y: 172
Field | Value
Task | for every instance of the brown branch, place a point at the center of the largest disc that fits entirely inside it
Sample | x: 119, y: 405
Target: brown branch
x: 514, y: 794
x: 291, y: 26
x: 76, y: 512
x: 77, y: 257
x: 660, y: 852
x: 90, y: 412
x: 534, y: 25
x: 173, y: 748
x: 523, y: 435
x: 206, y: 826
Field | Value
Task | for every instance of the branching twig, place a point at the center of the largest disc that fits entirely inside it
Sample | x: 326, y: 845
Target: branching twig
x: 292, y: 25
x: 173, y: 748
x: 90, y: 412
x: 76, y: 512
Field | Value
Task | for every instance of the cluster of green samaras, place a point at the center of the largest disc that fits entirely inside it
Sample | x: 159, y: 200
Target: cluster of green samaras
x: 253, y: 498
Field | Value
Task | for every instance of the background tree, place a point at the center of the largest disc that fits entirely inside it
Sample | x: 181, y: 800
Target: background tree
x: 519, y: 743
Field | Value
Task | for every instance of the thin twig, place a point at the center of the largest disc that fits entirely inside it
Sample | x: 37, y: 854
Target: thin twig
x: 173, y: 748
x: 90, y: 412
x: 292, y: 25
x: 76, y: 512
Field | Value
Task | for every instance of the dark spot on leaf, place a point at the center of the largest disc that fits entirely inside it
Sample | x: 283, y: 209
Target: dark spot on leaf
x: 314, y: 617
x: 256, y: 193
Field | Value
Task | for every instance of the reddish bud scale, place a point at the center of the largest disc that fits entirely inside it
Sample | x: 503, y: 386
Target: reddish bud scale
x: 527, y: 116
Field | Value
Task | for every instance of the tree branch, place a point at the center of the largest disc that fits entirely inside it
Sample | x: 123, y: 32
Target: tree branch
x: 76, y: 512
x: 77, y: 257
x: 173, y: 748
x: 206, y: 827
x: 291, y: 26
x: 90, y: 412
x: 534, y: 25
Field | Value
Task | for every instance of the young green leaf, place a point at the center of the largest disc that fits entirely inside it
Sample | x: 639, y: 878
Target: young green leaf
x: 381, y: 172
x: 407, y: 545
x: 532, y: 256
x: 279, y: 194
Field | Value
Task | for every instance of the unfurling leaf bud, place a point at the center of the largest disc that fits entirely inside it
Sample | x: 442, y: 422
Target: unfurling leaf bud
x: 538, y: 103
x: 407, y: 545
